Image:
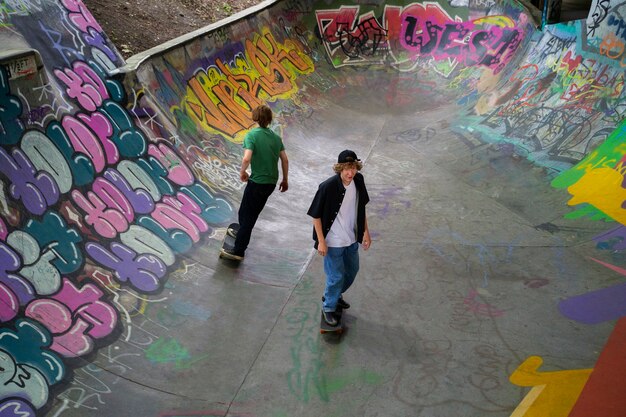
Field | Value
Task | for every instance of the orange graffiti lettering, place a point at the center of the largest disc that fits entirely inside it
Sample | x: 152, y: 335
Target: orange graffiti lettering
x: 222, y: 97
x: 610, y: 42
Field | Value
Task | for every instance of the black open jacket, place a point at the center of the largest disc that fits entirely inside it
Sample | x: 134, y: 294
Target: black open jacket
x: 328, y: 199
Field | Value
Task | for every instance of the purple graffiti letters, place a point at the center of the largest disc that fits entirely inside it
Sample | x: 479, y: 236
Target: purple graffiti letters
x: 37, y: 190
x: 140, y: 199
x: 95, y: 39
x: 142, y: 272
x: 16, y: 408
x: 15, y: 289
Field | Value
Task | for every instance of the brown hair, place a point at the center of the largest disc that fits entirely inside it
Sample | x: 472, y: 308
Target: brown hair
x: 347, y: 165
x: 262, y: 115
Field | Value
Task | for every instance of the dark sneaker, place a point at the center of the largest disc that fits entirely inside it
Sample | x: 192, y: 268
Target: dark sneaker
x: 230, y: 254
x: 329, y: 318
x: 342, y: 304
x: 232, y: 232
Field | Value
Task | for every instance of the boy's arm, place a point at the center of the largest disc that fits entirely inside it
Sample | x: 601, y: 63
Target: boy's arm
x: 322, y: 249
x: 284, y: 163
x: 367, y: 240
x: 245, y: 163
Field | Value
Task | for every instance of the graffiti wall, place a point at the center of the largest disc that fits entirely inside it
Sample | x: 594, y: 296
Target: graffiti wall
x: 108, y: 181
x: 92, y: 202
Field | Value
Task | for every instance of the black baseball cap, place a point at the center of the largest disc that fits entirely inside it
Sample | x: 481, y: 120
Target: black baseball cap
x: 347, y: 156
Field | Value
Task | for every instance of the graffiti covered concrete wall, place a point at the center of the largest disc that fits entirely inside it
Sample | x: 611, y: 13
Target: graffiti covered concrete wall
x: 93, y: 203
x: 111, y: 175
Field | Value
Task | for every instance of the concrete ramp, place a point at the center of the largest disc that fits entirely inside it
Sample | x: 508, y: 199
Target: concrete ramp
x: 492, y: 153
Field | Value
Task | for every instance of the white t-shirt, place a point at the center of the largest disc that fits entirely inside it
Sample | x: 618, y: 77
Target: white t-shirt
x: 342, y: 232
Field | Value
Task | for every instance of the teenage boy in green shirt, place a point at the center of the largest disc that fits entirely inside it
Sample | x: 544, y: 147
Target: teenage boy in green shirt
x: 262, y: 150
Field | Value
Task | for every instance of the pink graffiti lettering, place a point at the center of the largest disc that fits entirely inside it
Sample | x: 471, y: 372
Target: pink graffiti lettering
x: 178, y: 171
x: 85, y: 141
x: 488, y: 48
x: 107, y: 218
x: 14, y: 286
x: 73, y: 314
x: 80, y: 16
x: 3, y: 230
x: 170, y: 217
x: 101, y: 126
x: 421, y: 29
x: 84, y: 85
x: 189, y: 208
x: 9, y: 304
x: 113, y: 198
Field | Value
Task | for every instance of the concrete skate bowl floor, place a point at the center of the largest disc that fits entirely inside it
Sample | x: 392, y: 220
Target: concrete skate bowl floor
x: 494, y: 283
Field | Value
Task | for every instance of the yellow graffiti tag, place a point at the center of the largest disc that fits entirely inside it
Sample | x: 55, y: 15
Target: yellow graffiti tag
x: 501, y: 21
x: 553, y: 394
x: 221, y: 98
x: 602, y: 188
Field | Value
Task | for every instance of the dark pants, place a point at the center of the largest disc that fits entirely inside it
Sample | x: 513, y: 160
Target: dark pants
x: 254, y: 198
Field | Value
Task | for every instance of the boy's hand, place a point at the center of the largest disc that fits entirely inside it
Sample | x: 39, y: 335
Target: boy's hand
x: 367, y: 240
x: 322, y: 249
x: 244, y: 176
x: 284, y: 186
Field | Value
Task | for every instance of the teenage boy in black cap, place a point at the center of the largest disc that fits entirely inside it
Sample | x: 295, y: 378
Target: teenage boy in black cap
x: 262, y: 150
x: 339, y: 225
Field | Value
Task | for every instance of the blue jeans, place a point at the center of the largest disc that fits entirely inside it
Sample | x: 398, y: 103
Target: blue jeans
x: 341, y: 266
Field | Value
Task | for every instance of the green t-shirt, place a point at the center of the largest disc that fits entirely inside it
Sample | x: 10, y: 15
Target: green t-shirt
x: 265, y: 146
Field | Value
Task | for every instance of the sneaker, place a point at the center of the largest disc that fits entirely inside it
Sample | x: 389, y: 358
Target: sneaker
x: 329, y: 318
x: 231, y: 232
x: 341, y: 304
x: 230, y: 254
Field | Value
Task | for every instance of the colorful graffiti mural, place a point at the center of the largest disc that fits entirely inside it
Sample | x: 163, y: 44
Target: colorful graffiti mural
x: 87, y: 191
x: 419, y: 30
x: 100, y: 197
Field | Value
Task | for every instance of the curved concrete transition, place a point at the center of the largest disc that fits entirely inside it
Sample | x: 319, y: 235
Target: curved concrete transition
x: 493, y: 157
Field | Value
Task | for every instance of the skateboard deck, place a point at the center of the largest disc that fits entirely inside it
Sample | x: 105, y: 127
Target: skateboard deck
x: 325, y: 328
x: 229, y: 241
